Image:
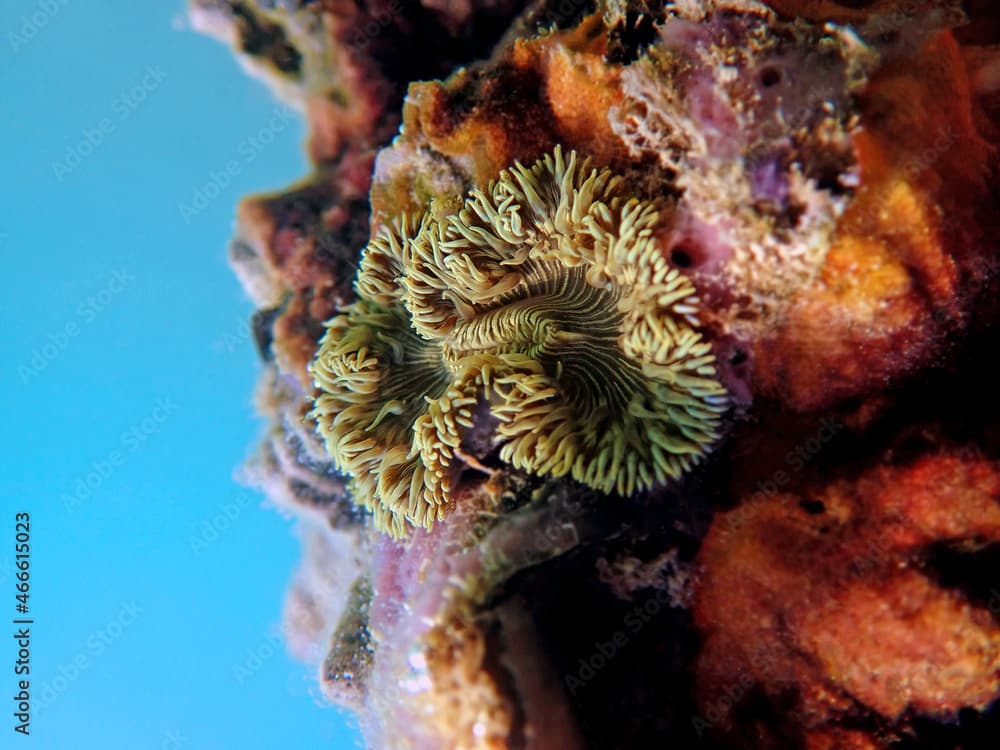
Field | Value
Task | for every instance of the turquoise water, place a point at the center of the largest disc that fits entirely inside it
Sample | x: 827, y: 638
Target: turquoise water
x: 156, y: 580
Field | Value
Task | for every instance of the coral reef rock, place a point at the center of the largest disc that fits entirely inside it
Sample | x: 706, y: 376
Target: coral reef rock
x: 801, y: 549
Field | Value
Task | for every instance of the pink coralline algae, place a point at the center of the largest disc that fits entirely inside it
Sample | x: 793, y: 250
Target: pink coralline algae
x: 820, y: 182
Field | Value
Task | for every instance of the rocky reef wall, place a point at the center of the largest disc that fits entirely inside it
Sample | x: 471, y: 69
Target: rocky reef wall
x: 825, y: 177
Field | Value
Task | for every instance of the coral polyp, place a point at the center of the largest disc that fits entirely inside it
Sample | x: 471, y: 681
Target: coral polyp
x: 543, y: 303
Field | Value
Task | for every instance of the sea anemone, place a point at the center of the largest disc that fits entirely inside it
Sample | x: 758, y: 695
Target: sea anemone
x: 545, y: 298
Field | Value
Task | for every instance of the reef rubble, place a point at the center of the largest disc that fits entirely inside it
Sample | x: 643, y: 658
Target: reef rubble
x: 817, y: 186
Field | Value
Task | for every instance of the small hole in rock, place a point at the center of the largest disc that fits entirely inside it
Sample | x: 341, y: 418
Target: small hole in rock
x: 681, y: 257
x: 830, y: 181
x: 770, y: 77
x: 812, y: 507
